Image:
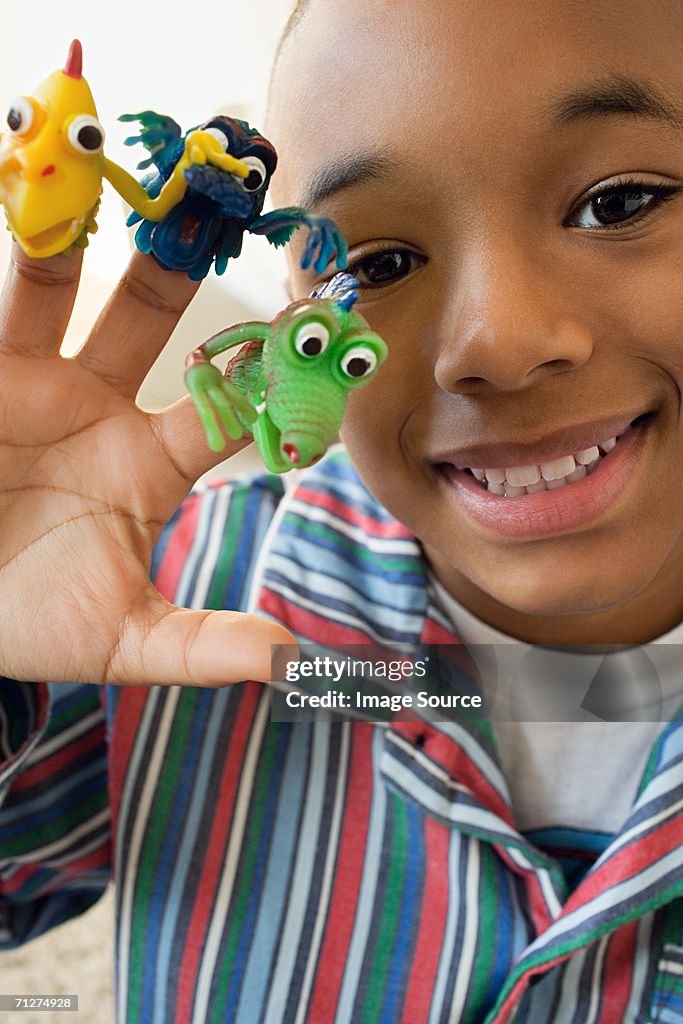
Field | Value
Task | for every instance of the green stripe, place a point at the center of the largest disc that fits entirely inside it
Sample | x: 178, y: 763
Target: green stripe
x: 55, y: 830
x: 157, y: 835
x: 77, y: 708
x: 391, y: 908
x: 584, y: 939
x: 245, y: 871
x: 406, y: 564
x: 486, y: 940
x: 231, y: 535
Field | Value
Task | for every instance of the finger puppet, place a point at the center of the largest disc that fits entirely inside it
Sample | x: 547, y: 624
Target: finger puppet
x: 52, y: 164
x: 207, y: 227
x: 289, y: 384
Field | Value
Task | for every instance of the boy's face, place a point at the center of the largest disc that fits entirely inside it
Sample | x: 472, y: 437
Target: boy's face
x: 522, y: 250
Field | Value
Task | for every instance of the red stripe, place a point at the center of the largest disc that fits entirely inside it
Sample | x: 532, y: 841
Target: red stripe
x: 455, y: 763
x: 129, y: 711
x: 67, y: 757
x: 347, y: 877
x: 308, y: 624
x: 639, y: 855
x: 617, y: 973
x: 350, y: 514
x: 215, y: 850
x: 422, y: 980
x: 97, y: 858
x: 433, y: 633
x: 180, y: 542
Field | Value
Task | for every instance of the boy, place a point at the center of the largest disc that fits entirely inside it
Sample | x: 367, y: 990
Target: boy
x: 509, y: 181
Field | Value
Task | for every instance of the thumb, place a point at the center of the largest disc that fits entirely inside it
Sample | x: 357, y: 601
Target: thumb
x: 164, y: 644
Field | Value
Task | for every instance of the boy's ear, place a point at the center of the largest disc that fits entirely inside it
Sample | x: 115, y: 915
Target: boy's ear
x: 288, y: 288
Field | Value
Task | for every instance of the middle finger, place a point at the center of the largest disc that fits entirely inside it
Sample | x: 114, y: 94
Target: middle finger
x: 136, y: 323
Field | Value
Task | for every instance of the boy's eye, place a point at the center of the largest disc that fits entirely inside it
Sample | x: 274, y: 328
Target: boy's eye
x: 382, y: 268
x: 620, y: 204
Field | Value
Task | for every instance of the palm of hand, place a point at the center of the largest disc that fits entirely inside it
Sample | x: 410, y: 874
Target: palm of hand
x: 87, y: 482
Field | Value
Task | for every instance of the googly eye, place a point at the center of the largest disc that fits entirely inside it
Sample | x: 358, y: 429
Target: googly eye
x: 216, y: 133
x: 358, y: 362
x: 312, y: 340
x: 20, y: 115
x: 86, y: 134
x: 257, y: 173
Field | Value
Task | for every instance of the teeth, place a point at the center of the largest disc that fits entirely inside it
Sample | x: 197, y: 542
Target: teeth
x: 522, y: 476
x: 579, y: 473
x: 515, y: 481
x: 558, y: 469
x: 587, y: 456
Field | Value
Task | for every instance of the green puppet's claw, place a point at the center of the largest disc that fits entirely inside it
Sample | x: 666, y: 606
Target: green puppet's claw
x: 218, y: 402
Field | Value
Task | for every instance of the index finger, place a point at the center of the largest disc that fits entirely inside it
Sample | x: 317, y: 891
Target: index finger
x: 37, y: 300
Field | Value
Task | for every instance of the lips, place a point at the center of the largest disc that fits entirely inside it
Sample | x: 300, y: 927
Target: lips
x: 553, y: 446
x: 562, y: 504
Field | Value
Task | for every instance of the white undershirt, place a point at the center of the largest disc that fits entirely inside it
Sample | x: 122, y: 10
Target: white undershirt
x: 571, y: 774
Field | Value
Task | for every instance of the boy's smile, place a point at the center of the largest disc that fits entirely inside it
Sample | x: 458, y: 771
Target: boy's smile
x: 510, y: 181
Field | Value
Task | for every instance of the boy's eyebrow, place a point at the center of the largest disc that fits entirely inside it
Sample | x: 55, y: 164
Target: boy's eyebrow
x: 614, y: 95
x: 343, y: 173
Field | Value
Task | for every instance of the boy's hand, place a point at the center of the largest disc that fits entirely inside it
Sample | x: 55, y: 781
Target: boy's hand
x: 87, y: 483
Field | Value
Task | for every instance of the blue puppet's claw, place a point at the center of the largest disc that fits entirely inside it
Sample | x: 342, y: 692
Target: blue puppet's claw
x: 143, y: 236
x: 323, y: 243
x: 201, y: 268
x: 221, y: 264
x: 342, y: 249
x: 310, y: 248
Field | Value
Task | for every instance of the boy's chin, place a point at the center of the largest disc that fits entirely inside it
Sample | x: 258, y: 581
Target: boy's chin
x: 568, y: 594
x: 575, y: 599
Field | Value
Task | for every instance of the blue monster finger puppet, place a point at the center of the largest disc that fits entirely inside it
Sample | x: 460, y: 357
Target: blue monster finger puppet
x: 206, y: 228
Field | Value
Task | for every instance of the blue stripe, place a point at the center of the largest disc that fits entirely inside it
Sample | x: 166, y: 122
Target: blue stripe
x: 258, y: 513
x: 275, y: 897
x: 241, y: 954
x: 51, y: 797
x: 350, y: 553
x: 161, y: 546
x: 197, y: 551
x: 93, y: 780
x: 504, y: 929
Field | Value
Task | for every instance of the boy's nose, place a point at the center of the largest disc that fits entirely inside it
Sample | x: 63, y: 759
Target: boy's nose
x: 511, y: 328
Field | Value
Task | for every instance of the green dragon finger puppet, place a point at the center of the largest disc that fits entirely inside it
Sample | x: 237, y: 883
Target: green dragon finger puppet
x: 288, y: 385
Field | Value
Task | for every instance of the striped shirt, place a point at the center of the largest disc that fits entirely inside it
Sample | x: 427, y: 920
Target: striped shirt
x: 324, y: 872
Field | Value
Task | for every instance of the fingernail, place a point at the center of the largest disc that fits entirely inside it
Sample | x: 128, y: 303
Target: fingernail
x: 281, y: 656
